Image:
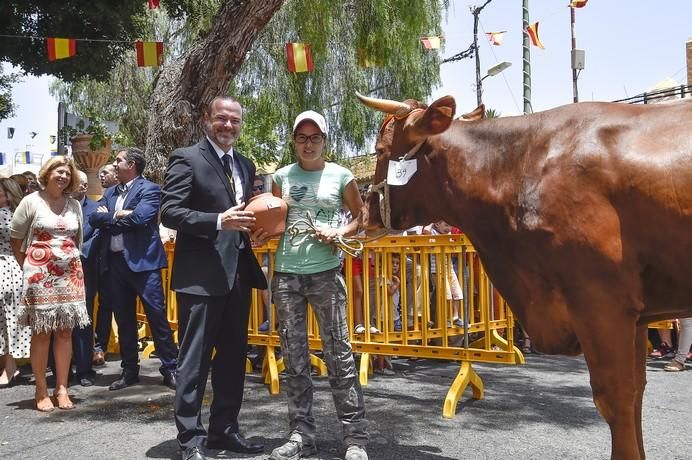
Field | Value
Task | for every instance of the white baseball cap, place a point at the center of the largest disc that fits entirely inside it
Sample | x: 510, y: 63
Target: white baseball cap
x: 312, y: 116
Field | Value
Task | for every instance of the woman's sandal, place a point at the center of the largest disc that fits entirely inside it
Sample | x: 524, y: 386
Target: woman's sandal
x: 64, y: 402
x: 41, y: 404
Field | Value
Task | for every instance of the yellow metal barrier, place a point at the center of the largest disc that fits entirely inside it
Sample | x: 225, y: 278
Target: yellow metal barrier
x: 424, y: 328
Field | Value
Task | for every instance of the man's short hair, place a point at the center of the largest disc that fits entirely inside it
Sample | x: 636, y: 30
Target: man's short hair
x: 223, y: 98
x: 136, y: 155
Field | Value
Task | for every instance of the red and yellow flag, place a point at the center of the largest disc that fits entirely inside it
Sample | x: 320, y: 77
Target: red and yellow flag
x: 532, y: 30
x: 431, y: 43
x: 149, y: 54
x: 577, y: 3
x: 61, y: 48
x: 496, y: 37
x: 153, y: 4
x: 298, y: 57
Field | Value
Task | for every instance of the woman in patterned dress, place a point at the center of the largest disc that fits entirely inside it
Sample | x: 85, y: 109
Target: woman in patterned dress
x: 46, y: 234
x: 14, y: 339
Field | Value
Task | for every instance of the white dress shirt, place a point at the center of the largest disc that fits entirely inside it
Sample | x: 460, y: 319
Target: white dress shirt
x: 237, y: 178
x: 117, y: 244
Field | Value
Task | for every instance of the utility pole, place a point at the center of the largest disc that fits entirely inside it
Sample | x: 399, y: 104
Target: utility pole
x: 475, y: 11
x: 526, y: 57
x: 577, y: 56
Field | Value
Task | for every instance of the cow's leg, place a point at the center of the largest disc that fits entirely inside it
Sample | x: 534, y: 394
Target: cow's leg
x: 641, y: 344
x: 608, y: 341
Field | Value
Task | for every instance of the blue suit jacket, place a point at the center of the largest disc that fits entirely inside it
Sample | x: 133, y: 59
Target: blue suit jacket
x: 90, y: 233
x: 142, y: 245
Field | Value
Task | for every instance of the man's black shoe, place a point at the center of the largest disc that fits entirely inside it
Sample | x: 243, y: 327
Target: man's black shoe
x: 169, y: 379
x: 126, y: 379
x: 86, y: 380
x: 235, y: 443
x: 193, y: 453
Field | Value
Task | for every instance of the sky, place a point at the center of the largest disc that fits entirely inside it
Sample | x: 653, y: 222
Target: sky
x: 630, y: 46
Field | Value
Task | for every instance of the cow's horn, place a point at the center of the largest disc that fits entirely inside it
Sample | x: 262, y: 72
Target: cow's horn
x: 385, y: 105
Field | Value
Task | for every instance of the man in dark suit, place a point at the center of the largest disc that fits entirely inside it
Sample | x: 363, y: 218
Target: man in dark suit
x: 104, y: 317
x: 128, y: 215
x: 203, y: 196
x: 83, y: 338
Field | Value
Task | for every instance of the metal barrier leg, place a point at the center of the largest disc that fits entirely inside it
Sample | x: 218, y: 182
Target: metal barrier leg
x: 466, y: 376
x: 364, y: 368
x: 148, y: 349
x: 318, y: 364
x: 271, y: 369
x: 500, y: 341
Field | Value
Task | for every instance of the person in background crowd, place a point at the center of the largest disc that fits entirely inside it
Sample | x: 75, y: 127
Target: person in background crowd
x: 83, y: 337
x: 108, y: 176
x: 15, y: 340
x: 684, y: 342
x: 32, y: 182
x: 127, y: 215
x: 104, y: 317
x: 23, y: 183
x: 204, y: 193
x: 453, y: 289
x: 46, y: 232
x: 309, y: 272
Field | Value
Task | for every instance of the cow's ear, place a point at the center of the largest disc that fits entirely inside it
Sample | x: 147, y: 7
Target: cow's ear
x: 477, y: 114
x: 437, y: 117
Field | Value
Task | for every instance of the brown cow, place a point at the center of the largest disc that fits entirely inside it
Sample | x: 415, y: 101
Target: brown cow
x: 582, y: 216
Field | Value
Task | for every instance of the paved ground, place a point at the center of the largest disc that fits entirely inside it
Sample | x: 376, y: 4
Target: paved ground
x: 542, y: 410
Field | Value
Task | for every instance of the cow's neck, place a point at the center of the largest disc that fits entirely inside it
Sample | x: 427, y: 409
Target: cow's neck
x: 483, y: 173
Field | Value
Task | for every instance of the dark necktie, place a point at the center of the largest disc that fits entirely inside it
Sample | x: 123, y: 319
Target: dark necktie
x: 228, y: 169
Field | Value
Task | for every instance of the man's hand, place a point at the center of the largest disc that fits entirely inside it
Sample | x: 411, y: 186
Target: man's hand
x: 326, y: 234
x: 236, y: 219
x: 259, y: 237
x: 102, y: 209
x: 123, y: 213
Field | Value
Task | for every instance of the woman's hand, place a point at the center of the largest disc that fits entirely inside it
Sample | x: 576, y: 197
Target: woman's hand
x: 326, y: 233
x: 259, y: 237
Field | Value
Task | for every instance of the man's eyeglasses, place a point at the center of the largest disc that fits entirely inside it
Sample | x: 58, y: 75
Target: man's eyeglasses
x: 314, y: 139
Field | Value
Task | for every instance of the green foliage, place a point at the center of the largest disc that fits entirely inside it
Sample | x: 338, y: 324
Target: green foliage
x: 96, y: 129
x: 88, y: 19
x: 7, y: 107
x: 386, y: 31
x: 492, y: 113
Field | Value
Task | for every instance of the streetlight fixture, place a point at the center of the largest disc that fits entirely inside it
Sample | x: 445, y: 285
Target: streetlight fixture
x: 492, y: 71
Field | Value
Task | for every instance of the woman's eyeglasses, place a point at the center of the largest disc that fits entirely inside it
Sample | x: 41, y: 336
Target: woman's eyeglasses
x: 256, y: 188
x: 314, y: 139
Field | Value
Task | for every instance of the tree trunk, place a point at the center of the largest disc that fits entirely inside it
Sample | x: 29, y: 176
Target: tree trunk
x: 184, y: 89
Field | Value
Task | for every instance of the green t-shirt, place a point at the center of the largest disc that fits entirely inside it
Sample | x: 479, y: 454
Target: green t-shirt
x: 321, y: 193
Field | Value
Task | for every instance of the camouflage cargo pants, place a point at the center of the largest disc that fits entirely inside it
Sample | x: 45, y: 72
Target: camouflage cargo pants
x: 326, y: 292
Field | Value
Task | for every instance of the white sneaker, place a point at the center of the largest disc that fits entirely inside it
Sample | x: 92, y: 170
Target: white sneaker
x: 355, y: 453
x: 293, y: 449
x: 374, y: 330
x: 360, y: 329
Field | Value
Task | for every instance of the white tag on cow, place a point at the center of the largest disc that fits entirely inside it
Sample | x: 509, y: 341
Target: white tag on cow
x: 400, y: 172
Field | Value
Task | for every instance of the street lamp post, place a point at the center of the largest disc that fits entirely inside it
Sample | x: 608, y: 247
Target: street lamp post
x: 492, y: 71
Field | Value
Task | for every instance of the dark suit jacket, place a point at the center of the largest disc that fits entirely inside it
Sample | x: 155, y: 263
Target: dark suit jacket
x: 142, y: 245
x: 90, y: 233
x: 195, y: 192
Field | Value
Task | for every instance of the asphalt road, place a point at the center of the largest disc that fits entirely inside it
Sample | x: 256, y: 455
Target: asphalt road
x: 542, y: 410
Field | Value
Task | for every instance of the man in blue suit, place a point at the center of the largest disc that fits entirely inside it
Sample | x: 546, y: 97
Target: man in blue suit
x: 128, y: 215
x: 83, y: 338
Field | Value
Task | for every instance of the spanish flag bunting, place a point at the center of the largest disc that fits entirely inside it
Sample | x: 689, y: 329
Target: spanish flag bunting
x: 578, y: 3
x: 61, y: 48
x: 496, y: 37
x: 153, y: 4
x: 532, y: 30
x: 149, y: 54
x: 298, y: 57
x: 431, y: 43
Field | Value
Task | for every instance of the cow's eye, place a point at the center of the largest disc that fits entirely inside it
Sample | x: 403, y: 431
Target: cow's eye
x: 379, y: 151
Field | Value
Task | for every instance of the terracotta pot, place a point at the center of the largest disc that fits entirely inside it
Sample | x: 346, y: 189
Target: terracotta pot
x: 90, y: 161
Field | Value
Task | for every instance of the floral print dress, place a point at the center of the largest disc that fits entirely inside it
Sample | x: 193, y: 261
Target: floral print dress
x: 53, y: 276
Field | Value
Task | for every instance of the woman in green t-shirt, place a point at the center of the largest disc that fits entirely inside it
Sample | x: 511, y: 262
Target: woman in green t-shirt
x: 307, y: 271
